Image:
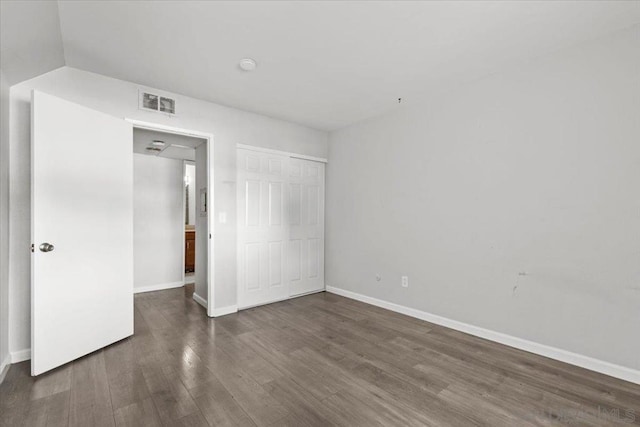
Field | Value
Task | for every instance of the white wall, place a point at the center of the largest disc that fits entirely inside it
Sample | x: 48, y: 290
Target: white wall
x: 4, y: 222
x: 30, y: 38
x: 119, y: 98
x: 512, y: 204
x: 158, y: 221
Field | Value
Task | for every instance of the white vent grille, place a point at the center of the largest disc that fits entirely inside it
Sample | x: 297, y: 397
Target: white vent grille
x: 154, y: 102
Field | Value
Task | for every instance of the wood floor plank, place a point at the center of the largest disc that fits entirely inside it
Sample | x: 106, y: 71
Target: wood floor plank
x: 170, y: 396
x: 90, y: 398
x: 317, y: 360
x: 192, y: 420
x: 303, y: 407
x: 52, y: 410
x: 52, y: 382
x: 128, y: 388
x: 258, y: 367
x: 140, y: 413
x: 218, y: 406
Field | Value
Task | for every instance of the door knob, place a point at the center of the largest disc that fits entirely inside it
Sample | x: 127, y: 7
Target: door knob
x: 46, y: 247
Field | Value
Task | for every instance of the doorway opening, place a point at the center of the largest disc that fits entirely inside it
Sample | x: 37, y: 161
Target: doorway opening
x: 189, y: 192
x: 171, y: 219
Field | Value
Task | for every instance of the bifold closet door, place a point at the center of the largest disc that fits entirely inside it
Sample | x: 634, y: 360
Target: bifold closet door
x: 305, y: 255
x: 262, y: 227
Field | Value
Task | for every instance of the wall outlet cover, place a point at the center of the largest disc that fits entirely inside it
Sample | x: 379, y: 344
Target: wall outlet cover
x: 405, y: 281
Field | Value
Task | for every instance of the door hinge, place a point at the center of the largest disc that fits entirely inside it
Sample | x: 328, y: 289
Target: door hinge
x: 32, y: 247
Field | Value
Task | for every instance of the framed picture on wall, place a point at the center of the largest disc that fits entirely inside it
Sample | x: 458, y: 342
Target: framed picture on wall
x: 203, y: 202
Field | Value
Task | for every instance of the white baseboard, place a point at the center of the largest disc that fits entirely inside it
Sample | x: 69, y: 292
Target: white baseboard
x: 158, y: 287
x: 20, y: 355
x: 200, y: 300
x: 4, y: 367
x: 223, y: 311
x: 607, y: 368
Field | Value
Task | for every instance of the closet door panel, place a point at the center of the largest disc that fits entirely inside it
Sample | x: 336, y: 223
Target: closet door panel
x: 280, y: 227
x: 307, y: 224
x: 295, y: 260
x: 262, y: 228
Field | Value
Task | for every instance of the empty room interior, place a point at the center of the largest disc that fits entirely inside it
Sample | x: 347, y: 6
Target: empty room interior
x: 319, y: 213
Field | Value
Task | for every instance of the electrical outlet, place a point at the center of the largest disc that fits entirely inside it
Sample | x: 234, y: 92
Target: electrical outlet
x: 405, y: 281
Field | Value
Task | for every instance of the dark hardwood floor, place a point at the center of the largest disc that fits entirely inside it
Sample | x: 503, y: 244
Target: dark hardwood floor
x: 316, y: 360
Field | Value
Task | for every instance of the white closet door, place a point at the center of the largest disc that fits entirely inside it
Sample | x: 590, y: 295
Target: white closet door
x: 306, y: 219
x: 262, y: 227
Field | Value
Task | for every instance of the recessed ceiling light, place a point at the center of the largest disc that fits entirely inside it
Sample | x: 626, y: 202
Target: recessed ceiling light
x: 248, y: 64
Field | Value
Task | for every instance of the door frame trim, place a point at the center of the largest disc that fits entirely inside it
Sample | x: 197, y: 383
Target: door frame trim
x: 283, y: 153
x: 139, y: 124
x: 184, y: 221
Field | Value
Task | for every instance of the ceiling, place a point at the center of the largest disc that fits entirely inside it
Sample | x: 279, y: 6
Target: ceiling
x: 322, y: 64
x: 175, y: 146
x: 30, y: 39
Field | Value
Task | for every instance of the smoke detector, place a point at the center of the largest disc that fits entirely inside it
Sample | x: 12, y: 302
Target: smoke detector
x: 248, y: 64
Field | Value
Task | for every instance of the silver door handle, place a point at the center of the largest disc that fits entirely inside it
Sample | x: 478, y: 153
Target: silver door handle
x: 46, y: 247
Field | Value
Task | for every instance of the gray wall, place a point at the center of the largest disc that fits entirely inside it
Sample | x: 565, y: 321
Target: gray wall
x: 512, y: 204
x: 158, y: 221
x: 4, y: 221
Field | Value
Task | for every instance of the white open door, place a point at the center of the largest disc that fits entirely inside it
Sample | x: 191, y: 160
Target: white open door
x: 82, y: 231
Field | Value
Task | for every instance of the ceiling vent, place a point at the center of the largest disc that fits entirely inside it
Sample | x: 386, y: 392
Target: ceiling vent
x: 154, y: 102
